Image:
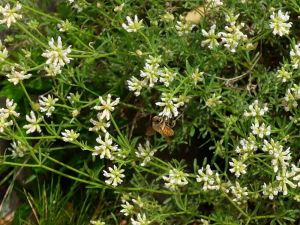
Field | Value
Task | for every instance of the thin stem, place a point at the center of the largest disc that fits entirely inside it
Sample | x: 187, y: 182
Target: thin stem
x: 25, y: 30
x: 26, y: 93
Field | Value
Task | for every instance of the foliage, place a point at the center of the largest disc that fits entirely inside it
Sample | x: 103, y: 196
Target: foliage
x: 84, y: 82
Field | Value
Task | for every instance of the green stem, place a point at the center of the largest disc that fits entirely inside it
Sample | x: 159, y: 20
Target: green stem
x: 148, y: 41
x: 26, y: 94
x: 236, y: 206
x: 25, y: 30
x: 46, y: 15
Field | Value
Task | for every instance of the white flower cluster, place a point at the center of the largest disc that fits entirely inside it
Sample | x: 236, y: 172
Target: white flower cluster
x: 10, y: 15
x: 145, y: 153
x: 57, y: 57
x: 211, y: 38
x: 240, y: 193
x: 283, y: 74
x: 97, y: 222
x: 197, y: 76
x: 171, y: 104
x: 210, y: 179
x: 18, y: 149
x: 183, y: 27
x: 213, y: 101
x: 214, y: 3
x: 47, y: 104
x: 295, y: 56
x: 16, y: 77
x: 130, y: 205
x: 114, y: 175
x: 280, y: 158
x: 3, y: 52
x: 255, y: 110
x: 33, y: 125
x: 233, y: 35
x: 69, y: 135
x: 64, y: 26
x: 246, y: 149
x: 133, y: 25
x: 260, y: 129
x: 141, y: 219
x: 106, y: 147
x: 175, y: 179
x: 151, y: 74
x: 10, y: 109
x: 287, y: 174
x: 291, y: 97
x: 279, y: 23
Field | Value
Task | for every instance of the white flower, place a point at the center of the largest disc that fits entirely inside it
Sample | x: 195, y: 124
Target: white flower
x: 182, y: 100
x: 183, y: 27
x: 197, y: 76
x: 176, y: 178
x: 3, y: 52
x: 57, y: 56
x: 284, y: 75
x: 10, y: 15
x: 107, y: 106
x: 238, y: 167
x: 233, y: 35
x: 138, y: 201
x: 290, y: 98
x: 16, y: 76
x: 145, y: 152
x: 270, y: 190
x: 247, y: 147
x: 213, y: 101
x: 114, y: 176
x: 4, y: 123
x: 47, y: 104
x: 214, y: 3
x: 136, y: 85
x: 69, y: 135
x: 99, y: 124
x: 151, y: 73
x: 52, y: 71
x: 279, y: 23
x: 260, y: 129
x: 74, y: 98
x: 33, y: 125
x: 167, y: 17
x: 64, y: 26
x: 140, y: 220
x: 154, y: 60
x: 133, y: 25
x: 211, y: 38
x: 170, y: 108
x: 18, y: 149
x: 240, y: 193
x: 295, y: 56
x: 255, y: 110
x: 166, y: 76
x: 119, y: 8
x: 97, y: 222
x: 10, y: 109
x: 106, y: 147
x: 209, y: 178
x: 284, y: 178
x: 281, y: 158
x: 127, y: 209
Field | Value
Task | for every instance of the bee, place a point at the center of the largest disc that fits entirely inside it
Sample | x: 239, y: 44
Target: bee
x: 161, y: 125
